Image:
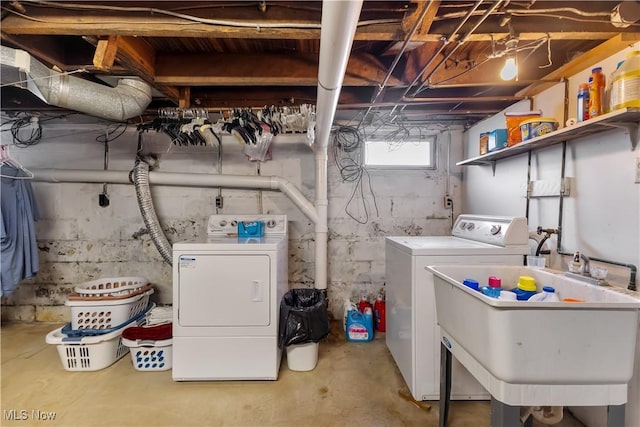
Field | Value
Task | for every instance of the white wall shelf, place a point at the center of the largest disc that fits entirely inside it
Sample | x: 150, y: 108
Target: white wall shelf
x: 627, y: 118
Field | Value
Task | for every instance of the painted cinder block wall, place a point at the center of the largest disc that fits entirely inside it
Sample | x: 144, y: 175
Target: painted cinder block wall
x: 78, y: 240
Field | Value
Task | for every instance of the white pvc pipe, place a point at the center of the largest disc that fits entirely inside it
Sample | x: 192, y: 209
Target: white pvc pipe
x: 185, y: 180
x: 339, y: 24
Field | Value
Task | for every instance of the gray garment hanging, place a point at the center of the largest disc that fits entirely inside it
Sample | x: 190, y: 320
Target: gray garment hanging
x: 18, y: 248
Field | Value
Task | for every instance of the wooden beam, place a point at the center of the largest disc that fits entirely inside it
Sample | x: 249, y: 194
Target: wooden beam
x: 185, y: 97
x: 425, y: 25
x: 105, y: 54
x: 261, y: 70
x: 586, y: 60
x: 154, y: 26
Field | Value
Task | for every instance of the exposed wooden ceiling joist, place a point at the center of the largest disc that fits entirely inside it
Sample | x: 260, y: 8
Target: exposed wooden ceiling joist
x: 260, y: 70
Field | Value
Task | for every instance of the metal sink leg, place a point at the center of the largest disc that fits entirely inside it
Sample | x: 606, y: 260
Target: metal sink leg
x: 445, y: 384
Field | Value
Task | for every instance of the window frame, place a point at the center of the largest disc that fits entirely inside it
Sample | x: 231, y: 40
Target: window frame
x: 433, y: 152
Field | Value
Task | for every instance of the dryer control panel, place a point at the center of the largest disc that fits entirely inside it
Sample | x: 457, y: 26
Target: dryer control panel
x: 496, y: 230
x: 227, y: 225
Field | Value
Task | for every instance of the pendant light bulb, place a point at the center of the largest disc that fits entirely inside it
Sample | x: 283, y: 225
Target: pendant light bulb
x: 510, y: 69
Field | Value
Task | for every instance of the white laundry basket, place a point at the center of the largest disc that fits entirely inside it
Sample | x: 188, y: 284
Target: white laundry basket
x: 150, y: 355
x: 106, y: 314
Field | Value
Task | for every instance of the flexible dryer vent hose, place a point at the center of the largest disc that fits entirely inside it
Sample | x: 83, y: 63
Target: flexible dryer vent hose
x: 145, y: 203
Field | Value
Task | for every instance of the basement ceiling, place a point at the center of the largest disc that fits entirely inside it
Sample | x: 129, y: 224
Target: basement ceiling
x: 437, y: 60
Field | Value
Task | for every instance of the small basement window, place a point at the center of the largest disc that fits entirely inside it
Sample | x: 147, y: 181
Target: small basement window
x: 417, y: 151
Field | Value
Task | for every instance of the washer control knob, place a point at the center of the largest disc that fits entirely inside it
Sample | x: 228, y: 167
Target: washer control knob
x: 463, y: 225
x: 471, y: 226
x: 271, y: 223
x: 234, y: 223
x: 223, y: 223
x: 495, y: 229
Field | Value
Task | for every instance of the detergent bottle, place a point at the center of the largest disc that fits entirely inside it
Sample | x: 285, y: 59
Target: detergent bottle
x: 493, y: 288
x: 348, y: 306
x: 364, y: 304
x: 379, y: 314
x: 360, y: 325
x: 548, y: 294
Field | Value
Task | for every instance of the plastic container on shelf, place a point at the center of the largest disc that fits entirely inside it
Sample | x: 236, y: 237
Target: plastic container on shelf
x: 625, y: 88
x: 612, y: 98
x: 493, y: 288
x: 513, y: 120
x: 597, y: 87
x: 533, y: 128
x: 548, y: 294
x: 583, y: 102
x: 105, y: 314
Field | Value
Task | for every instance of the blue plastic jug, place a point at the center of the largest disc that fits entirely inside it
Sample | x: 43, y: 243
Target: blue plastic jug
x: 360, y: 326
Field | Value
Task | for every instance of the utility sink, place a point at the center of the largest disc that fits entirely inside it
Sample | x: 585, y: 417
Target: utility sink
x: 540, y: 353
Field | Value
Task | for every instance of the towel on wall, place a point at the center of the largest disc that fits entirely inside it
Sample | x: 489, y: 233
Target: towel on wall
x: 18, y: 248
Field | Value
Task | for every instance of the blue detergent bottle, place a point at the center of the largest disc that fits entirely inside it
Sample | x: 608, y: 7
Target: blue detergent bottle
x: 360, y: 325
x: 493, y: 288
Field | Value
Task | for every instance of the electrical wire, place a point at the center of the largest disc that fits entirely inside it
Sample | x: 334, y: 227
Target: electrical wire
x: 30, y: 124
x: 346, y: 150
x: 220, y: 22
x: 109, y: 131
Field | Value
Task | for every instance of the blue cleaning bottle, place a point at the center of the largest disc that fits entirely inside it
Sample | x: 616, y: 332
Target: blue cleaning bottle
x: 493, y: 288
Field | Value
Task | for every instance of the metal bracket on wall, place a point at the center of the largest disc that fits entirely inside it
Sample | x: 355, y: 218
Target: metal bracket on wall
x: 491, y: 163
x: 632, y: 127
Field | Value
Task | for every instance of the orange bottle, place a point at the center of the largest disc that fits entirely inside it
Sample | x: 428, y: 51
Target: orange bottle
x: 596, y: 92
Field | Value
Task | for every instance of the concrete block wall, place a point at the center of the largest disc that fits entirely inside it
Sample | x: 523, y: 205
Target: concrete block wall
x: 79, y: 241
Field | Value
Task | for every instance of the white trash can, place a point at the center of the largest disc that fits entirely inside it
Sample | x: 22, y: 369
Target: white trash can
x: 302, y: 357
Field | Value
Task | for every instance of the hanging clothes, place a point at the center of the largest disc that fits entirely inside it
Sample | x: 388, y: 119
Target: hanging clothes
x: 18, y: 211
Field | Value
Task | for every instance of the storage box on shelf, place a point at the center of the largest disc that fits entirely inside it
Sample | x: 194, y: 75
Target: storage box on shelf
x: 627, y: 117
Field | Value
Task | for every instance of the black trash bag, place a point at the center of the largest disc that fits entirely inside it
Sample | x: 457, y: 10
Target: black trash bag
x: 303, y: 317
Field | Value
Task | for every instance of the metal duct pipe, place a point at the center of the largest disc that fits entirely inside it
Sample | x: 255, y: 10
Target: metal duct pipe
x: 148, y: 211
x: 339, y: 24
x: 275, y: 183
x: 128, y: 99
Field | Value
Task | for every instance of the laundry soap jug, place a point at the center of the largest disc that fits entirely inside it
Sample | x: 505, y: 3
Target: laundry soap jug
x: 360, y: 325
x: 548, y: 294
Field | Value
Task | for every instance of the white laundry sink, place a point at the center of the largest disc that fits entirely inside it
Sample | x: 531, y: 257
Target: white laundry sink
x: 576, y: 352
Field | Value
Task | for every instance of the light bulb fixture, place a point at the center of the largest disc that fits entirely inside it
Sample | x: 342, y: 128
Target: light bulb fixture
x: 510, y: 69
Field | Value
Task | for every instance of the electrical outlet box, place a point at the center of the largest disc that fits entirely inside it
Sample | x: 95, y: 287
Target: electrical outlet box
x: 637, y: 181
x: 448, y: 201
x: 218, y: 202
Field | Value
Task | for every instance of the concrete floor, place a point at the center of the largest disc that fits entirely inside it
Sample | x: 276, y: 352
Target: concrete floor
x: 354, y: 384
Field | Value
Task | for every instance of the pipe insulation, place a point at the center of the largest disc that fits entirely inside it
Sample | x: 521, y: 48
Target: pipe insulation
x: 274, y: 183
x: 128, y: 99
x: 145, y: 203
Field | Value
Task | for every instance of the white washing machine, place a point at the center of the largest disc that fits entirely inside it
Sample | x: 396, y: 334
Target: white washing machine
x: 226, y: 298
x: 412, y: 333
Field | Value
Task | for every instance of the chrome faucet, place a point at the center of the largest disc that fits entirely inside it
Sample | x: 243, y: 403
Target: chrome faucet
x: 581, y: 259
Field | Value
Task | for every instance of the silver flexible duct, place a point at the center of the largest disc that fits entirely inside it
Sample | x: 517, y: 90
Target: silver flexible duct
x: 128, y: 99
x: 145, y: 203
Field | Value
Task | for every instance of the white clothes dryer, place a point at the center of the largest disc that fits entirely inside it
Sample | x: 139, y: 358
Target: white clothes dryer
x: 226, y: 298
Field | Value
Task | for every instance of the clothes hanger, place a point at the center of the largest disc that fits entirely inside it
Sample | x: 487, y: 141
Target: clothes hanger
x: 6, y: 159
